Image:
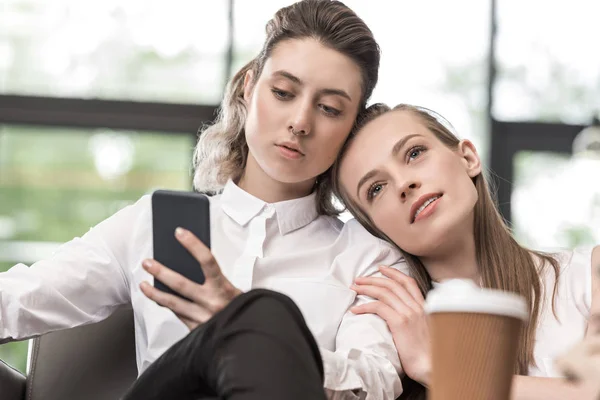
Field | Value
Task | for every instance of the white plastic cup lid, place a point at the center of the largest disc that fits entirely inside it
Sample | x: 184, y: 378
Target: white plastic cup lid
x: 461, y: 295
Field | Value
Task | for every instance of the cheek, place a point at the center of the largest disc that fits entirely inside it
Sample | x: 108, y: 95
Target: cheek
x: 473, y: 196
x: 329, y: 152
x: 463, y: 187
x: 329, y: 140
x: 262, y: 116
x: 263, y: 108
x: 387, y: 218
x: 325, y: 147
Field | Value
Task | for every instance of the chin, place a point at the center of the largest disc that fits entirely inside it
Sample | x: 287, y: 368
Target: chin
x: 428, y: 243
x: 288, y: 175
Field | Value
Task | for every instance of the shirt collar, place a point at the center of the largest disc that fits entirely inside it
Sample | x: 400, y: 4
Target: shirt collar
x: 296, y: 213
x: 293, y: 214
x: 240, y: 205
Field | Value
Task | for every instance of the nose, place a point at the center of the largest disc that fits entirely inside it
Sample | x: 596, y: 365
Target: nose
x: 407, y: 187
x: 300, y: 123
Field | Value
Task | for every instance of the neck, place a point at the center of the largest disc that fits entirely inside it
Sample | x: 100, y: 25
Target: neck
x: 259, y: 184
x: 456, y: 259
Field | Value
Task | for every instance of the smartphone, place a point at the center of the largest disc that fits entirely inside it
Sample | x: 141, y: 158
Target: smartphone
x: 172, y: 209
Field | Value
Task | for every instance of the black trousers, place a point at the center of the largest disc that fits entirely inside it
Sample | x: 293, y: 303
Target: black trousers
x: 258, y: 347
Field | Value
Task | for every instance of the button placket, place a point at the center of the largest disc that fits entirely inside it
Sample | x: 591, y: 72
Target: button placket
x: 244, y: 266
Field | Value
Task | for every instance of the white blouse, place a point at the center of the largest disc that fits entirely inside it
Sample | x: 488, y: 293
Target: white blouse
x: 284, y: 246
x: 556, y: 334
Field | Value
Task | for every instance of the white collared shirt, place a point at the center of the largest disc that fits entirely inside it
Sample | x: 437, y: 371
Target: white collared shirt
x: 563, y: 326
x: 284, y: 246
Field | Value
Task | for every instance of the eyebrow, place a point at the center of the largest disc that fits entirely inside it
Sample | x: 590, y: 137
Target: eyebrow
x: 395, y: 150
x: 326, y: 91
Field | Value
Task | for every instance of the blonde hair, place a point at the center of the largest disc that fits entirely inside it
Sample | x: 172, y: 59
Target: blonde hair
x: 221, y: 150
x: 504, y: 264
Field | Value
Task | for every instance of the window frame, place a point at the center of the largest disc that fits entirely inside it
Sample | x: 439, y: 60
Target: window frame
x: 506, y: 138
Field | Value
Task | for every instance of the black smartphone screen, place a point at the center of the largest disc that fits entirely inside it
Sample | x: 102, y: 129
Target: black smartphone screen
x: 172, y: 209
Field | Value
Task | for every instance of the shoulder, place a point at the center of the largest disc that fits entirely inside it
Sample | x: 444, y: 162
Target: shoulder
x: 130, y: 214
x: 569, y: 261
x: 131, y: 224
x: 142, y: 205
x: 324, y: 230
x: 578, y: 260
x: 363, y: 253
x: 576, y: 278
x: 334, y: 224
x: 355, y: 234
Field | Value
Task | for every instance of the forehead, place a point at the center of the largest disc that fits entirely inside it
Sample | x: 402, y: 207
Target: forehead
x: 373, y: 144
x: 384, y: 131
x: 315, y: 65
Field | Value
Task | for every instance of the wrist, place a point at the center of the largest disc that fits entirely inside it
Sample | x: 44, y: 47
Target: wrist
x: 423, y: 379
x: 421, y: 375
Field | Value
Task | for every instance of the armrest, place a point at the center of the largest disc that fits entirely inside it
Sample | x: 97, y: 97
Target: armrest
x: 12, y: 383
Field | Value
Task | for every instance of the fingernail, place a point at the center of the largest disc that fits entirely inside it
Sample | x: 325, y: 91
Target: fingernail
x: 352, y: 309
x: 383, y: 268
x: 147, y: 264
x: 146, y: 289
x: 180, y: 233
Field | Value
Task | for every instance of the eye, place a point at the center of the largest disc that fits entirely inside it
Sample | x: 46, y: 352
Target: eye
x: 333, y: 112
x: 374, y: 190
x: 414, y: 152
x: 281, y: 94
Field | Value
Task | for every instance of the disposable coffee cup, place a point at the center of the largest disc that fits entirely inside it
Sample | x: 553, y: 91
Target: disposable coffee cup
x: 474, y: 339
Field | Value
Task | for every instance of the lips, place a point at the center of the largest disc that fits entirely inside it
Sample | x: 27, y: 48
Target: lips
x: 291, y: 146
x: 421, y: 204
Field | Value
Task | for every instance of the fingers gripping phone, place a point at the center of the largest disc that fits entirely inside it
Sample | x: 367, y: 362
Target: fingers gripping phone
x: 172, y: 209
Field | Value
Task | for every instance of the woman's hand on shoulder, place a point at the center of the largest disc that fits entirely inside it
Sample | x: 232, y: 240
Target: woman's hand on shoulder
x: 399, y: 302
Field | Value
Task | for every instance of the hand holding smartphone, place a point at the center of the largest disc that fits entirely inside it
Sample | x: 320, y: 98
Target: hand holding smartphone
x: 172, y: 209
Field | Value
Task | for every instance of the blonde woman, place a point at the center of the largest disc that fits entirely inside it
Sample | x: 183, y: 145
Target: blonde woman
x: 410, y: 180
x: 283, y: 119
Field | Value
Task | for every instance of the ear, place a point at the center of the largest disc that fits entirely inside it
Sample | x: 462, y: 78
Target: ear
x: 470, y: 158
x: 248, y: 84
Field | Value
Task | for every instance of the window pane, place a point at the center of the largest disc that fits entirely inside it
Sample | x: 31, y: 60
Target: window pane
x: 142, y: 50
x: 555, y: 202
x: 549, y: 63
x: 434, y: 59
x: 57, y: 183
